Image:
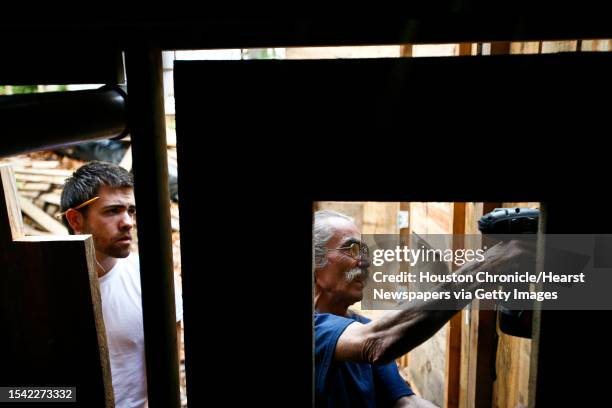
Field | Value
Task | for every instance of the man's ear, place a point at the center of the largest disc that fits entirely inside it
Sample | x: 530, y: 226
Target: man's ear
x: 76, y: 220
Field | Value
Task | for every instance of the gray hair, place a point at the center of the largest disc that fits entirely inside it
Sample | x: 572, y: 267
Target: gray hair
x: 322, y: 232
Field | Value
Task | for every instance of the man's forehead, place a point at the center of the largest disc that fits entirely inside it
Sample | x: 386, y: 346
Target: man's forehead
x: 122, y: 194
x: 343, y: 230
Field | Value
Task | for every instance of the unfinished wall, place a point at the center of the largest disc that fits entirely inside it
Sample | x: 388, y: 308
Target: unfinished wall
x: 427, y: 362
x: 479, y: 336
x: 429, y: 367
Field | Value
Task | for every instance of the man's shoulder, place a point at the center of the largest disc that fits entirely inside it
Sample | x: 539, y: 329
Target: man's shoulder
x: 330, y: 320
x: 357, y: 317
x: 327, y: 319
x: 351, y: 314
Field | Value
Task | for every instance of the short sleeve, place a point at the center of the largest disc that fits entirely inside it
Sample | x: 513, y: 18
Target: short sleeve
x: 389, y: 384
x: 328, y: 328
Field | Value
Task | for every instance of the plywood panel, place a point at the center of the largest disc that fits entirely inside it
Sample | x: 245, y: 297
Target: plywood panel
x: 431, y: 218
x: 427, y: 367
x: 532, y: 47
x: 558, y: 46
x: 596, y: 45
x: 52, y: 327
x: 440, y: 217
x: 418, y: 217
x: 380, y: 218
x: 512, y: 366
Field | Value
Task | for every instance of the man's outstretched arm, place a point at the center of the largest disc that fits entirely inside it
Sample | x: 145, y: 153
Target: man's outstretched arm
x: 398, y: 332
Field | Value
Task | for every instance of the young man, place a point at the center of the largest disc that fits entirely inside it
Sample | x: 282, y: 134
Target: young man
x: 99, y: 200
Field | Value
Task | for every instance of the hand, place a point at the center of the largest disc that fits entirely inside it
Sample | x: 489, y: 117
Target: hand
x: 510, y: 256
x: 414, y: 401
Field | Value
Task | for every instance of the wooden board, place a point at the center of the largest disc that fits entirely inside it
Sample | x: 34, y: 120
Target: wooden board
x: 404, y: 238
x: 380, y: 218
x: 454, y: 338
x: 41, y: 178
x: 429, y: 363
x: 513, y: 359
x: 43, y: 219
x: 52, y: 328
x: 473, y: 211
x: 479, y: 353
x: 477, y: 336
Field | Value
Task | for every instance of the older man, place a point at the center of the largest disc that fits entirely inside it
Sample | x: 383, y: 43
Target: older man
x: 354, y: 358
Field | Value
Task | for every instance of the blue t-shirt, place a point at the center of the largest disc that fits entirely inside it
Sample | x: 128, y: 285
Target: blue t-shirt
x: 348, y: 384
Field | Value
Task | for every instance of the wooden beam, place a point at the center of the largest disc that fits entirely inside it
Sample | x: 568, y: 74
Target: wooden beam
x: 406, y: 50
x: 478, y: 347
x: 14, y: 229
x: 485, y: 347
x: 404, y: 240
x: 453, y: 362
x: 453, y: 348
x: 465, y: 49
x: 500, y: 48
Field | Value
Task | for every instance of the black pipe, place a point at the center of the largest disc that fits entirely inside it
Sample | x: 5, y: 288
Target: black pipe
x: 45, y: 121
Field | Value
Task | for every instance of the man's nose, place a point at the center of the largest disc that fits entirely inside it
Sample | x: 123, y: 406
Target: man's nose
x: 364, y: 262
x: 127, y: 221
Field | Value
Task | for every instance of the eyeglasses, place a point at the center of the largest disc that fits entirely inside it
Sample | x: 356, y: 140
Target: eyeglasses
x: 357, y: 250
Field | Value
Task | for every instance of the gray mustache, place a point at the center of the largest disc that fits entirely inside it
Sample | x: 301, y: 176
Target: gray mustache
x: 355, y: 273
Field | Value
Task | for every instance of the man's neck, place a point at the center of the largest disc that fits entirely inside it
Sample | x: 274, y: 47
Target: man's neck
x: 337, y: 309
x: 104, y: 263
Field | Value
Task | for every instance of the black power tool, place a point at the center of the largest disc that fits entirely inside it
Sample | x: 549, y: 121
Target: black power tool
x: 512, y: 221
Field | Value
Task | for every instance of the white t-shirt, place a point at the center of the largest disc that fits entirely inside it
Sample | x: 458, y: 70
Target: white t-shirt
x: 122, y: 312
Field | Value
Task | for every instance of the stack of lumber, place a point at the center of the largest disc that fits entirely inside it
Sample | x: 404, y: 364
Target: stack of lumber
x: 40, y: 178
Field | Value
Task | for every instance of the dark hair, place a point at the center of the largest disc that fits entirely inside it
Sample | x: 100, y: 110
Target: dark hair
x: 86, y: 182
